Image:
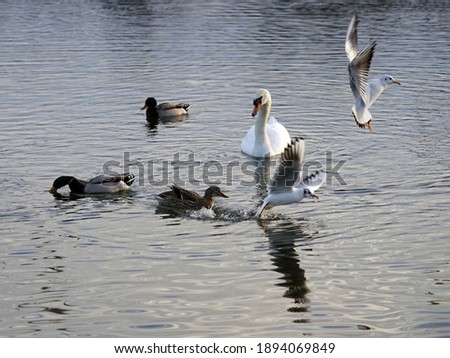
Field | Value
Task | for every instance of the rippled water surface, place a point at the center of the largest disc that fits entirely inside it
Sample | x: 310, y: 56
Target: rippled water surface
x: 369, y: 259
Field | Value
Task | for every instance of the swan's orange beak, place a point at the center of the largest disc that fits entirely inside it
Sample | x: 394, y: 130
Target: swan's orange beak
x: 256, y: 108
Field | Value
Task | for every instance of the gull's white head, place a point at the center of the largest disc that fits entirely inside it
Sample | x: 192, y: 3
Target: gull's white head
x: 262, y: 98
x: 387, y: 80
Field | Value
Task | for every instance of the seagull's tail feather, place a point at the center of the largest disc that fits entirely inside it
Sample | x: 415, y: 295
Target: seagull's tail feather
x: 362, y: 116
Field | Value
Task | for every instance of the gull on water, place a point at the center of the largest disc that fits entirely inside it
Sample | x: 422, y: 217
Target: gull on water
x: 286, y: 186
x: 365, y: 91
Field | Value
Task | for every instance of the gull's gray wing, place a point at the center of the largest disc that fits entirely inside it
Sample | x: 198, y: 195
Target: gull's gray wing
x: 358, y: 70
x: 351, y: 40
x: 288, y: 171
x: 313, y: 181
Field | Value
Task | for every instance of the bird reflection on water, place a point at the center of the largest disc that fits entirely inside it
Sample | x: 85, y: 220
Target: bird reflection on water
x: 284, y: 238
x: 152, y: 123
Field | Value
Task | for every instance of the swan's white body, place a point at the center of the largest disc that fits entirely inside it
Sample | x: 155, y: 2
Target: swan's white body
x: 266, y: 137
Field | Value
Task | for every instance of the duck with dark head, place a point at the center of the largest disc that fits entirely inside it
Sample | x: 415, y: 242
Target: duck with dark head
x: 101, y: 184
x: 163, y: 110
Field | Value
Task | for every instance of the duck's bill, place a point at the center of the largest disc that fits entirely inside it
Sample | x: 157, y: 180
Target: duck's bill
x: 397, y: 83
x: 53, y: 190
x: 223, y: 195
x: 314, y: 197
x: 145, y: 107
x: 256, y: 109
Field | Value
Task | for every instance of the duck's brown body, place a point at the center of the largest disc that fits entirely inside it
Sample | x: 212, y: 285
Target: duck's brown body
x: 179, y: 198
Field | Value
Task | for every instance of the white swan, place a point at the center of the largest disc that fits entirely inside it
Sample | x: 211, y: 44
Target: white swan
x: 266, y: 137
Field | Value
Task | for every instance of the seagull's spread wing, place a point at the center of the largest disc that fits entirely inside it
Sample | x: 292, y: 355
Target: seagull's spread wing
x: 288, y: 171
x: 358, y: 70
x: 351, y: 40
x: 359, y: 62
x: 313, y: 181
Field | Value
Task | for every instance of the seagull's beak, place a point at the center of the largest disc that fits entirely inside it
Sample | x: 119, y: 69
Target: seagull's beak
x: 256, y: 108
x: 145, y: 107
x: 397, y: 82
x: 53, y: 190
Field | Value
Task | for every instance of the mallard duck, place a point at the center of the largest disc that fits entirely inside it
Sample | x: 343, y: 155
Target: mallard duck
x: 266, y: 137
x: 286, y: 187
x: 180, y: 198
x: 365, y: 92
x: 166, y: 109
x: 99, y: 185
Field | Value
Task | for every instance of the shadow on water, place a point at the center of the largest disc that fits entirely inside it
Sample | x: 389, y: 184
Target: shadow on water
x: 121, y: 196
x: 90, y: 207
x: 153, y: 123
x: 284, y: 237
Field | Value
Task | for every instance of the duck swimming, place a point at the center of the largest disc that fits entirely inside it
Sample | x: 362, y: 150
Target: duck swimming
x: 286, y: 187
x: 179, y: 198
x: 365, y: 91
x: 101, y: 184
x: 166, y: 109
x: 266, y: 137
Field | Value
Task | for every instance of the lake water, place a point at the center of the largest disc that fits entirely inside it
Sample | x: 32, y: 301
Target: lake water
x: 369, y: 259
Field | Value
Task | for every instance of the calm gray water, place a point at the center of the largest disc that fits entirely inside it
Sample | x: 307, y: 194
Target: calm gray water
x: 369, y: 259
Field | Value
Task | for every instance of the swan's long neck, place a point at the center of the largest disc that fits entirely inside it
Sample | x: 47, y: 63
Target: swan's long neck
x: 261, y: 137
